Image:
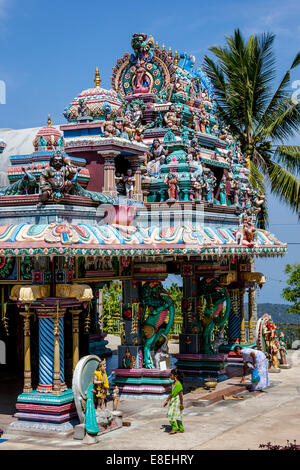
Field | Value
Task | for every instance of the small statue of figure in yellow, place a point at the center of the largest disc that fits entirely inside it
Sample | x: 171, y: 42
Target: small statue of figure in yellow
x: 101, y: 384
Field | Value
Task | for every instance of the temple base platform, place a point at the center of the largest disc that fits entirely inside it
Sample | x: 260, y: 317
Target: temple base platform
x: 45, y: 413
x: 143, y: 383
x: 202, y: 366
x: 81, y: 434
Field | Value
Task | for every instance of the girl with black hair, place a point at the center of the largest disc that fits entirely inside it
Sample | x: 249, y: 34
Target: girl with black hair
x: 175, y: 402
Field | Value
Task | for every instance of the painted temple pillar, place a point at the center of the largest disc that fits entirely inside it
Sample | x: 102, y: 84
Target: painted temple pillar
x: 51, y: 351
x: 250, y: 314
x: 135, y: 377
x: 49, y: 408
x: 234, y: 321
x: 75, y: 337
x: 109, y: 172
x: 242, y: 318
x: 196, y: 359
x: 27, y: 354
x: 136, y: 167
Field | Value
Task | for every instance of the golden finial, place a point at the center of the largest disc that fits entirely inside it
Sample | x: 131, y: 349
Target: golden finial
x: 163, y: 48
x: 49, y: 122
x: 176, y: 58
x: 156, y: 45
x: 170, y: 53
x: 97, y: 79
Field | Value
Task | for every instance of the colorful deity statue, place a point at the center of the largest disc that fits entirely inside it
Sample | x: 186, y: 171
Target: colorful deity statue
x: 101, y: 384
x: 82, y: 108
x: 159, y: 307
x: 143, y: 48
x: 282, y: 349
x: 172, y: 118
x: 128, y: 360
x: 156, y: 157
x: 57, y: 179
x: 129, y: 180
x: 193, y: 151
x: 109, y: 127
x: 275, y: 348
x: 171, y: 180
x: 116, y: 398
x: 197, y: 189
x: 223, y: 194
x: 141, y: 80
x: 196, y: 117
x: 210, y: 184
x: 203, y: 121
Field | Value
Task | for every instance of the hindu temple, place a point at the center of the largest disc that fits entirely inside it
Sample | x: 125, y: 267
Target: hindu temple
x: 141, y: 181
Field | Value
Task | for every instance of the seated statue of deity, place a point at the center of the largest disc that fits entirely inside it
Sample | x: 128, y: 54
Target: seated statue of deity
x: 56, y: 180
x: 156, y: 157
x: 172, y: 118
x: 109, y: 127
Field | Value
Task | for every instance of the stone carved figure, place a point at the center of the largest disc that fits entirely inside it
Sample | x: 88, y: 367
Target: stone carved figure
x: 57, y: 179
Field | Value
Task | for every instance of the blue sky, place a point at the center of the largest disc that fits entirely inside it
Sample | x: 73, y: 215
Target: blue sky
x: 49, y: 51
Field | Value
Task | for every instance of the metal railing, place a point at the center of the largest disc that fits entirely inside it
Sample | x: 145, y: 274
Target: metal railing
x: 291, y: 330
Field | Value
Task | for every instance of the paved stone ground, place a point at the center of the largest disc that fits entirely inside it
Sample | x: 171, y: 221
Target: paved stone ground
x: 231, y: 424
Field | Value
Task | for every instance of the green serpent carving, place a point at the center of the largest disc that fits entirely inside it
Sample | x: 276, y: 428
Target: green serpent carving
x: 160, y: 305
x: 214, y: 297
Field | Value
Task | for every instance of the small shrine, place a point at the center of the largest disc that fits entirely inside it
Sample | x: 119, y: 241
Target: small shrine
x: 142, y: 181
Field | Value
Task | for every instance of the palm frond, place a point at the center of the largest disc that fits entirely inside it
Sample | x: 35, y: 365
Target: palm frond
x: 289, y: 156
x: 285, y: 185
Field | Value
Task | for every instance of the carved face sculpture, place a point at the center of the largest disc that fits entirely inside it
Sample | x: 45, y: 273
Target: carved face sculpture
x: 57, y: 161
x: 156, y: 143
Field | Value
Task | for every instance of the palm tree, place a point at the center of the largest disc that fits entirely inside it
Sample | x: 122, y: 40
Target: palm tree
x: 261, y: 119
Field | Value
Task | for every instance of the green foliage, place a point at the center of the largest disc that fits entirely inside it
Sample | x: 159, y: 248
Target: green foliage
x: 112, y: 303
x: 292, y: 293
x: 243, y: 78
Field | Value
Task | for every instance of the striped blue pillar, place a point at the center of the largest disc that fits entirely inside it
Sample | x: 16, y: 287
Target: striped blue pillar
x: 234, y: 321
x: 46, y: 352
x: 61, y: 349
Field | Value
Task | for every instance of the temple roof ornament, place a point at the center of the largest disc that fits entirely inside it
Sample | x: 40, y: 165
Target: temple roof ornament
x: 93, y: 104
x: 97, y: 79
x: 48, y: 137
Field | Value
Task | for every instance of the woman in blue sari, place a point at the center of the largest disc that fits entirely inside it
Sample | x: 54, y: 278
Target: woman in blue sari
x: 91, y: 425
x: 258, y: 362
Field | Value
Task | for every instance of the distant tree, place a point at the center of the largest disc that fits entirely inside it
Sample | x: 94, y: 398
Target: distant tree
x: 261, y: 117
x: 175, y: 292
x: 292, y: 293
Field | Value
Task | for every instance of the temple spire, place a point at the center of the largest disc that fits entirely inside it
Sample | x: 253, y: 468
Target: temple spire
x: 97, y: 79
x: 49, y: 122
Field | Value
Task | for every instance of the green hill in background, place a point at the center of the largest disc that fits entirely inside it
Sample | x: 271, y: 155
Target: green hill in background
x: 277, y: 312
